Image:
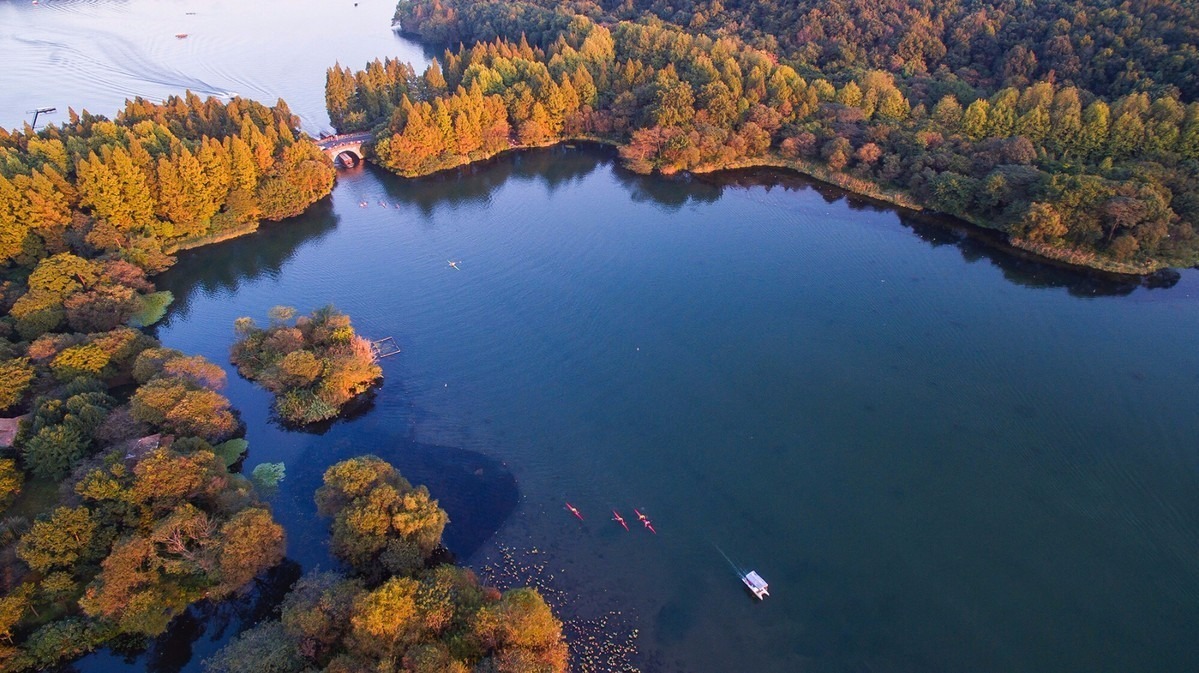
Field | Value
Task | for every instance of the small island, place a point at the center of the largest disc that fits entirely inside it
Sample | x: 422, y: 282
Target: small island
x: 315, y: 364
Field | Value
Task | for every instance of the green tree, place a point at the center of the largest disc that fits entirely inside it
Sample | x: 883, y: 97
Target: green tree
x: 893, y: 106
x: 673, y: 100
x: 850, y: 94
x: 58, y: 541
x: 948, y: 113
x: 975, y: 122
x: 1093, y: 137
x: 54, y: 450
x: 12, y: 608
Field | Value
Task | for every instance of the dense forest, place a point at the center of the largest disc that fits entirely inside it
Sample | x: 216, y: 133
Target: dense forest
x: 315, y: 364
x: 1109, y: 47
x: 120, y: 506
x: 396, y: 608
x: 155, y: 179
x: 118, y: 487
x: 1106, y: 176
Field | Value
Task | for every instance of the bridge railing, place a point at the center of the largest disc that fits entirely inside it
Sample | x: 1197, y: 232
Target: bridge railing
x: 329, y: 142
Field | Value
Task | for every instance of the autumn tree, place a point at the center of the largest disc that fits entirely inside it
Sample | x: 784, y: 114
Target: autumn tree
x: 380, y: 521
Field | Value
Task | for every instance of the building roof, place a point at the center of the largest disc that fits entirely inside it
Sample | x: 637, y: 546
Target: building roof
x: 8, y: 430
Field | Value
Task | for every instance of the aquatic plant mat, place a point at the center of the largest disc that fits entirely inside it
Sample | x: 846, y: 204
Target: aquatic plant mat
x: 601, y: 638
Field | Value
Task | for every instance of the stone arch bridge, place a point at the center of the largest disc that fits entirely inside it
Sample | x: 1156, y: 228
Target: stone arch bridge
x: 345, y: 149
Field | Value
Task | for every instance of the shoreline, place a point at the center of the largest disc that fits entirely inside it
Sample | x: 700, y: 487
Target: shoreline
x: 1068, y: 258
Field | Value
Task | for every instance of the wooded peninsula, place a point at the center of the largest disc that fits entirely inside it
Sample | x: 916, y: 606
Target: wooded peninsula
x: 1070, y: 125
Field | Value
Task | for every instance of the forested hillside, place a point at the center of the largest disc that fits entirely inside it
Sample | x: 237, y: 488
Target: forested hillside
x: 1109, y: 47
x: 1103, y: 181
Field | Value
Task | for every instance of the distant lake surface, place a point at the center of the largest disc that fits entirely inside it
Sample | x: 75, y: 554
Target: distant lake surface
x: 941, y: 456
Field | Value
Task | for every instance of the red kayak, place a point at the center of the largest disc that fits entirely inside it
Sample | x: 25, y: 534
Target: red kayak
x: 645, y: 520
x: 574, y: 511
x: 619, y: 519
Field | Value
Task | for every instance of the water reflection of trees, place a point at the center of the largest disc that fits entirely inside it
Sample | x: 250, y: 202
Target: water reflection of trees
x: 225, y: 266
x: 1022, y: 268
x: 974, y: 243
x: 553, y: 167
x: 199, y: 631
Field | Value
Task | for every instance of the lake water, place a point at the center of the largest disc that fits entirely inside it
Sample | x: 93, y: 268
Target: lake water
x: 941, y: 456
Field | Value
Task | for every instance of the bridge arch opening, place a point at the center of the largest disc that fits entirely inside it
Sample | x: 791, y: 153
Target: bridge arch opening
x: 348, y: 158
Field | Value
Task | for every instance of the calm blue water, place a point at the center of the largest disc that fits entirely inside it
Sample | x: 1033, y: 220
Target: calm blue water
x: 936, y: 465
x: 942, y: 458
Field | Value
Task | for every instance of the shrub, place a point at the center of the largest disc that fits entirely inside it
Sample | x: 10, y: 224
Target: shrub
x: 54, y: 450
x: 82, y: 360
x: 267, y: 476
x: 299, y: 368
x: 15, y: 377
x: 11, y: 481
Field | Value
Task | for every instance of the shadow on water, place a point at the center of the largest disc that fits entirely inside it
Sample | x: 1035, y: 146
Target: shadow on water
x: 564, y: 164
x: 197, y: 633
x: 265, y: 252
x: 1021, y: 268
x: 226, y: 265
x: 552, y: 167
x: 478, y: 492
x: 974, y: 243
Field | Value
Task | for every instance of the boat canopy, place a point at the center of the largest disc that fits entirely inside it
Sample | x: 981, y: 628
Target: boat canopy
x: 754, y: 580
